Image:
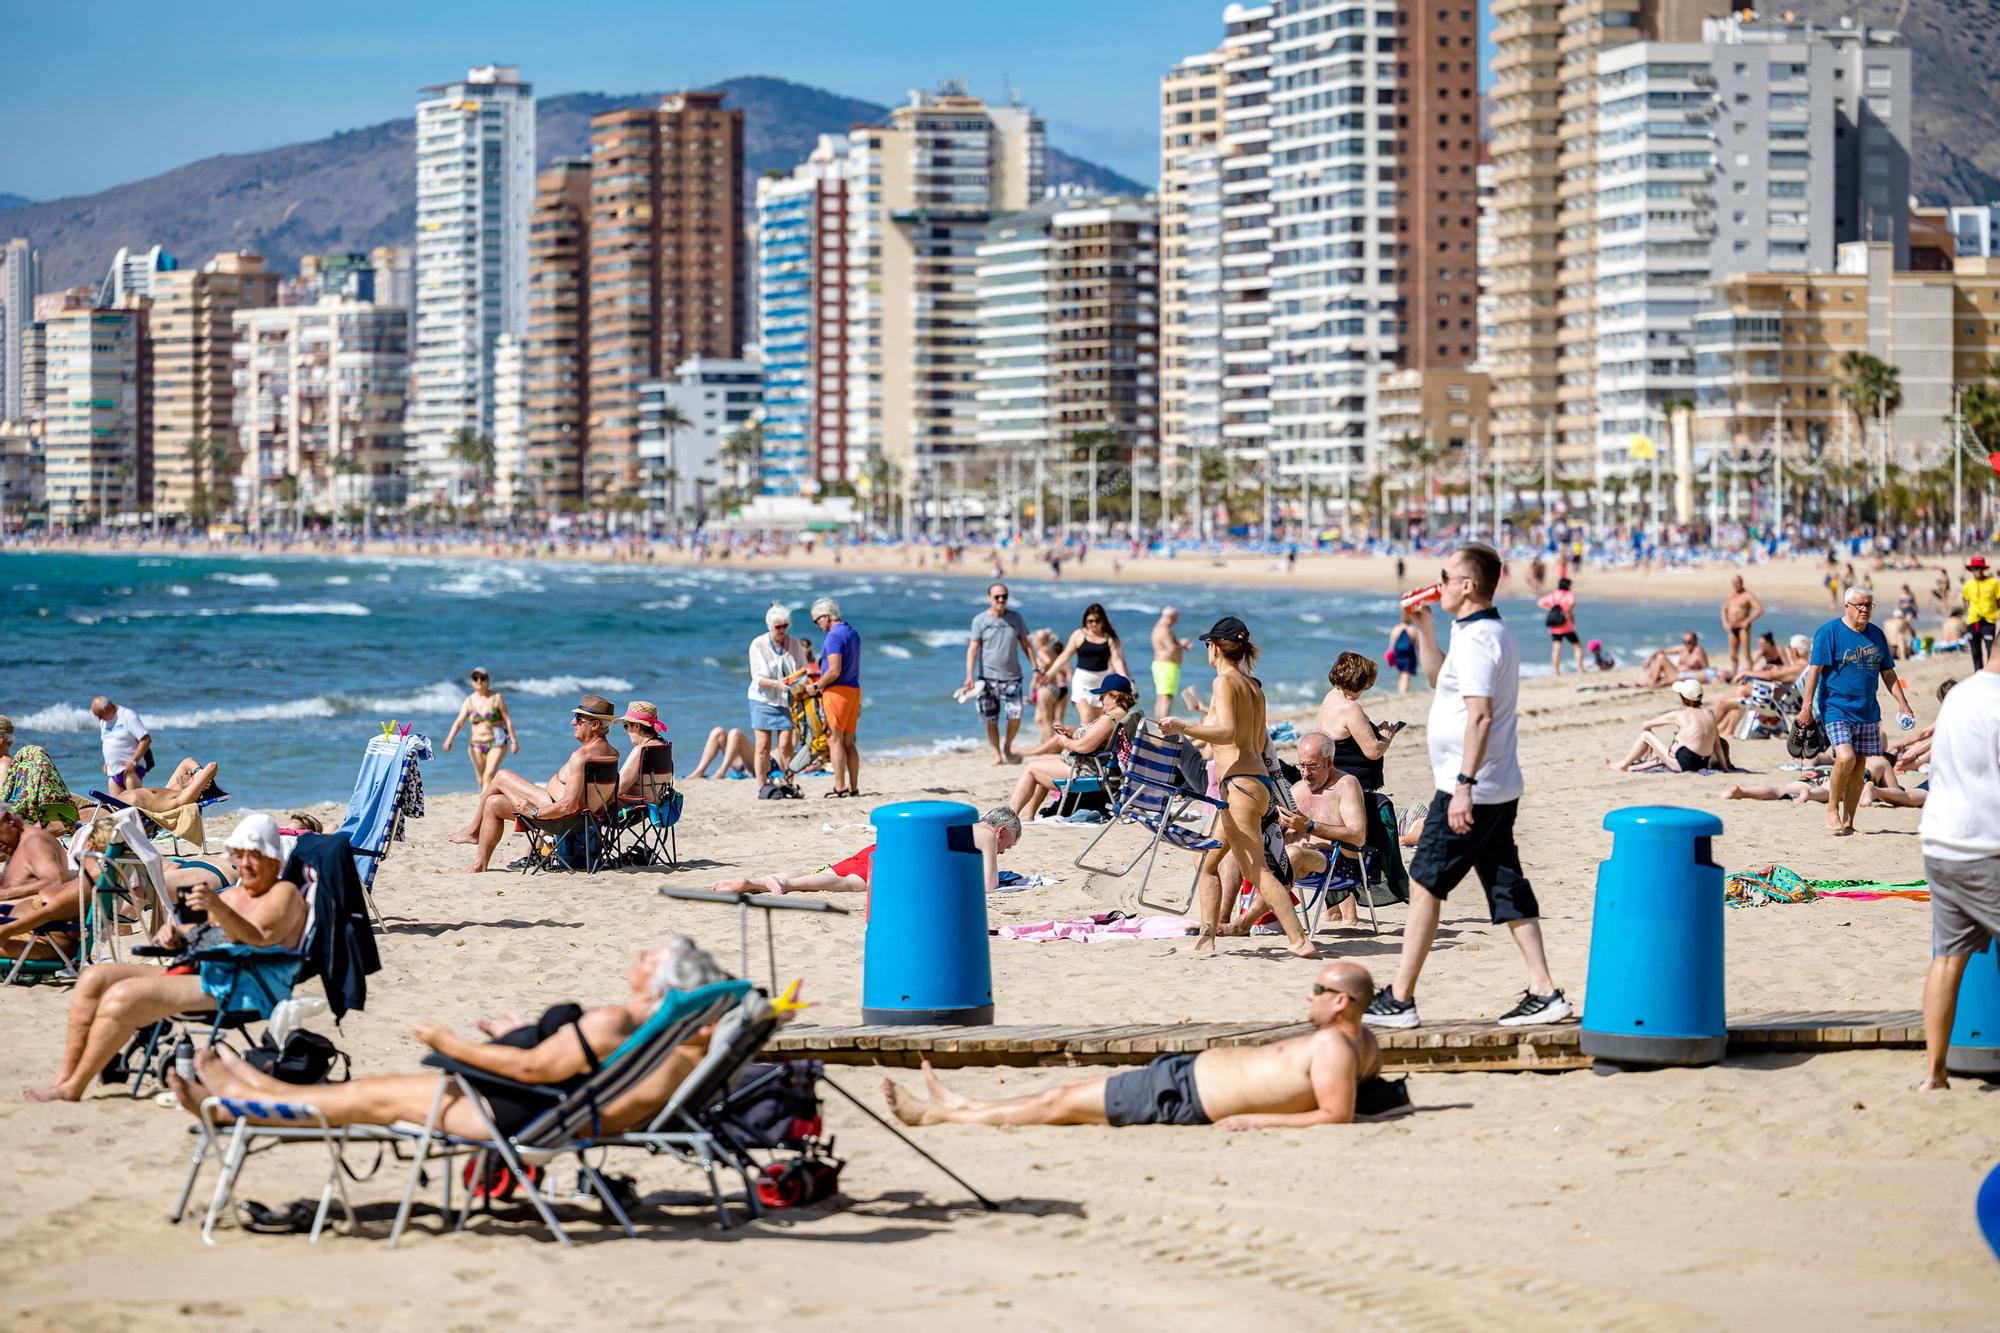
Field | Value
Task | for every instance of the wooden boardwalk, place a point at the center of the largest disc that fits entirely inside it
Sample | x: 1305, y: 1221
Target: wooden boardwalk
x: 1435, y: 1046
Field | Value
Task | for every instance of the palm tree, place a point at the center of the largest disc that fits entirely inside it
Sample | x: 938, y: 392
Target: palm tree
x: 1421, y: 455
x: 1872, y: 388
x: 474, y: 453
x: 212, y: 468
x: 743, y: 450
x: 673, y: 421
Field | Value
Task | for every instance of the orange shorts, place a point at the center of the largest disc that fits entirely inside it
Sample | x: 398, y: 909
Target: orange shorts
x: 843, y: 707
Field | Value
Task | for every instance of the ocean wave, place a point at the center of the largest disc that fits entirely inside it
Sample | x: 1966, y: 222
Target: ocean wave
x: 220, y: 612
x: 179, y: 590
x: 338, y: 581
x: 680, y: 603
x: 311, y: 609
x: 58, y: 717
x: 26, y: 587
x: 928, y: 749
x: 259, y: 580
x: 548, y: 687
x: 893, y: 650
x: 942, y: 638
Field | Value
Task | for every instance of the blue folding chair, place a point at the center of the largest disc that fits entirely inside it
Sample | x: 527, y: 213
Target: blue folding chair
x: 1156, y: 795
x: 1099, y: 770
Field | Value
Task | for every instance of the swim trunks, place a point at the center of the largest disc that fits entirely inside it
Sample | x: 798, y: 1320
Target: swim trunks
x: 999, y: 695
x: 1163, y: 1093
x: 862, y: 864
x: 1865, y: 737
x: 843, y: 707
x: 1689, y: 761
x: 1166, y: 679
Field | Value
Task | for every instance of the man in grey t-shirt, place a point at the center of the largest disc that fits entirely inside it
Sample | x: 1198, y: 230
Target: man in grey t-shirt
x: 993, y: 657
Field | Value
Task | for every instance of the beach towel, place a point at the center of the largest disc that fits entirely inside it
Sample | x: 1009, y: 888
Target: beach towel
x: 33, y: 785
x: 1099, y: 928
x: 1781, y: 884
x: 1014, y: 882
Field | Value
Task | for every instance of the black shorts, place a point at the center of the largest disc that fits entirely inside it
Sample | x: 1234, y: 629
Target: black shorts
x: 1487, y: 849
x: 1689, y: 761
x: 1567, y: 636
x: 1160, y: 1094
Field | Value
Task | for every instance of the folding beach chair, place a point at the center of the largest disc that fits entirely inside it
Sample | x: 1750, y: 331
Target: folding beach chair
x: 564, y: 1128
x: 1156, y: 795
x: 1100, y: 770
x: 1769, y: 711
x: 182, y: 824
x: 645, y: 826
x: 128, y: 882
x: 577, y: 840
x: 388, y: 788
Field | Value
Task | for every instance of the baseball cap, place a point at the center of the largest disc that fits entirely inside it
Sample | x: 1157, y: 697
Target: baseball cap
x: 1689, y: 690
x: 1227, y: 630
x: 257, y: 833
x: 1114, y: 681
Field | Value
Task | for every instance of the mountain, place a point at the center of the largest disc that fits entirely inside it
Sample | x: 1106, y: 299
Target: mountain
x: 8, y: 201
x: 1954, y: 55
x: 357, y: 189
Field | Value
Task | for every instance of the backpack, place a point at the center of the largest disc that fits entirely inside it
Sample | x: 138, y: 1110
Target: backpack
x: 306, y: 1057
x: 1556, y: 616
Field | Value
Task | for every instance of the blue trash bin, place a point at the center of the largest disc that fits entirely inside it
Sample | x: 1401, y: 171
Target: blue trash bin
x: 926, y: 959
x: 1975, y: 1028
x: 1655, y: 992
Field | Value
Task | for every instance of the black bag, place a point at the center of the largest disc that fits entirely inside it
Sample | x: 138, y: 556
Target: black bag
x: 1806, y: 739
x: 307, y: 1057
x: 1556, y: 616
x: 775, y: 1105
x: 780, y: 789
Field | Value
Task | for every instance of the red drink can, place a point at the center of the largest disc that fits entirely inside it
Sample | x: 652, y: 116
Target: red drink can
x: 1422, y: 596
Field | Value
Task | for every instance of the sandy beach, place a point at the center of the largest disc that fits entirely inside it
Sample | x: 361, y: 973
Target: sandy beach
x: 1783, y: 1191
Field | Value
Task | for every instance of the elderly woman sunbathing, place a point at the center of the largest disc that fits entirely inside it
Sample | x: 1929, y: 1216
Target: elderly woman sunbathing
x: 559, y: 1050
x: 114, y: 1000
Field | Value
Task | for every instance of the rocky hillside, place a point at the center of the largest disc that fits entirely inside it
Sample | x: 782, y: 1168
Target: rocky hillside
x: 357, y: 189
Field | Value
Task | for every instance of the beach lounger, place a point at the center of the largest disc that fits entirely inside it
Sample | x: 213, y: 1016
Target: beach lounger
x: 644, y: 828
x: 1157, y: 796
x: 388, y: 784
x: 1102, y: 770
x: 182, y: 824
x: 576, y: 840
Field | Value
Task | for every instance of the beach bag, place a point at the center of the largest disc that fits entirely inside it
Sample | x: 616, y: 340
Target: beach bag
x: 781, y: 1108
x: 780, y: 789
x: 306, y: 1057
x: 1555, y: 617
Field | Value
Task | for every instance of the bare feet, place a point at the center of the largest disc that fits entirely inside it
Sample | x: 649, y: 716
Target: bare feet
x: 476, y: 868
x: 1303, y: 948
x: 463, y: 839
x: 50, y: 1093
x: 1205, y: 943
x: 1732, y: 792
x: 189, y: 1094
x: 774, y: 884
x: 737, y: 885
x: 1934, y: 1083
x: 908, y: 1107
x: 939, y: 1093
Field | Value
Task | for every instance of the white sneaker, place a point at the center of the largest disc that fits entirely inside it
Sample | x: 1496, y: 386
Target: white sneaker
x: 1535, y: 1009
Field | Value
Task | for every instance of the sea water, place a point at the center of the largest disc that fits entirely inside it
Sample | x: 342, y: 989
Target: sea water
x: 280, y: 667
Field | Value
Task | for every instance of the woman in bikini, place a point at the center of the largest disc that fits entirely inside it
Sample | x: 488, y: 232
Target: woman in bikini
x: 1052, y: 695
x: 1236, y: 735
x: 484, y: 709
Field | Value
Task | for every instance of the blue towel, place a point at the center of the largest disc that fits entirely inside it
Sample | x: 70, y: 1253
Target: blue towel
x: 1284, y: 731
x: 371, y: 809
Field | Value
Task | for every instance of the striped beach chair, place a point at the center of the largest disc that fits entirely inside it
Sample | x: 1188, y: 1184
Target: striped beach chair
x: 1157, y: 795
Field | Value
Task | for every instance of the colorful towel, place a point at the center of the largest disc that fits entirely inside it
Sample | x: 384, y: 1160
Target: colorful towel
x: 1782, y: 884
x: 1099, y: 928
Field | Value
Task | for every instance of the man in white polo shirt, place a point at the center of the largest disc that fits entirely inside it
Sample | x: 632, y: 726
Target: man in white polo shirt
x: 1470, y: 827
x: 1960, y: 834
x: 128, y: 746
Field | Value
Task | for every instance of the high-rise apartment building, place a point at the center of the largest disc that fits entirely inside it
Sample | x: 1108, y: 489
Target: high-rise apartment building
x: 681, y: 464
x: 1246, y: 230
x: 320, y: 397
x: 666, y: 262
x: 1543, y: 136
x: 556, y: 351
x: 192, y: 328
x: 928, y: 183
x: 1196, y: 323
x: 475, y: 184
x: 1975, y: 230
x: 513, y: 471
x: 802, y: 235
x: 20, y: 276
x: 1190, y: 134
x: 97, y: 460
x: 131, y: 274
x: 1759, y: 149
x: 1068, y: 329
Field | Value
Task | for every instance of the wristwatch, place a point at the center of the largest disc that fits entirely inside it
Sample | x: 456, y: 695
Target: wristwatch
x: 1467, y: 780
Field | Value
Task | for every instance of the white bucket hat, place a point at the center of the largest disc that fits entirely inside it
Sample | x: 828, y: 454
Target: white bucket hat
x: 257, y: 833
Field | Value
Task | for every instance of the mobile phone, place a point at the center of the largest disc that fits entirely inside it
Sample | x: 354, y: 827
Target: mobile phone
x: 185, y: 915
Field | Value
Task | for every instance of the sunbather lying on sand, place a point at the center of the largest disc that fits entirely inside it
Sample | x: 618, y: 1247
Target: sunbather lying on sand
x: 114, y: 1000
x: 1300, y: 1081
x: 1879, y: 788
x: 997, y: 831
x: 560, y: 1049
x: 188, y: 783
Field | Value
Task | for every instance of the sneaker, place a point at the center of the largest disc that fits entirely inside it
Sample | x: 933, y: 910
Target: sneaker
x: 1389, y: 1012
x: 1533, y: 1008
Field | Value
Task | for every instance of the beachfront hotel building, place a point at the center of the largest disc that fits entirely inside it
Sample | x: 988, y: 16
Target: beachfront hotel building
x: 512, y: 470
x: 681, y: 465
x: 192, y: 330
x: 1246, y: 232
x: 97, y: 466
x: 475, y: 184
x: 22, y: 473
x: 1068, y: 332
x: 320, y: 398
x: 802, y: 277
x: 20, y: 276
x: 1768, y: 347
x: 555, y: 355
x: 1191, y: 95
x: 666, y: 264
x: 927, y: 184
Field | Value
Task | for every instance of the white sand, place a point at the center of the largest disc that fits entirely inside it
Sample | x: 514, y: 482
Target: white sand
x: 1782, y: 1191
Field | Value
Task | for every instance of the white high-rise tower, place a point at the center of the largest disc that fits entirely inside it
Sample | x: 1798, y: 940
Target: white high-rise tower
x: 475, y: 187
x: 20, y: 275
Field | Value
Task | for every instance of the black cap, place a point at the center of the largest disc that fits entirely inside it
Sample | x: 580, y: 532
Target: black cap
x: 1227, y: 630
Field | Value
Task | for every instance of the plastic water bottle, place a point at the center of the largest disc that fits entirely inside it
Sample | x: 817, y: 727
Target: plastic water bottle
x: 1907, y: 721
x: 184, y: 1059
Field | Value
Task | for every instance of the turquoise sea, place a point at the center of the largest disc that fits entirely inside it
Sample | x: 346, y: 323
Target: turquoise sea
x: 279, y: 667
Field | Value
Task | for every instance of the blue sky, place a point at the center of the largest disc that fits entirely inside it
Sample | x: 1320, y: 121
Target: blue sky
x: 98, y: 92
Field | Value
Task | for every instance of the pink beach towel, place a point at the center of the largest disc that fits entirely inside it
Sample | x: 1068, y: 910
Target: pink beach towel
x: 1091, y: 931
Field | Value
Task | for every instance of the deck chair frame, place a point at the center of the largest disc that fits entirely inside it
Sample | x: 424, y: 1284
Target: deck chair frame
x: 594, y: 821
x: 650, y: 825
x: 1100, y: 766
x: 1154, y: 796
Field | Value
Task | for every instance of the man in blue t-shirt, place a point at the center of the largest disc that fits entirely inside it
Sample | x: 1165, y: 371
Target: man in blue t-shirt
x: 839, y: 688
x: 1849, y: 658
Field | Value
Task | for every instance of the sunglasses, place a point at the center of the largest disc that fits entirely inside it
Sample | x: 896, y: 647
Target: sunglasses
x: 997, y: 596
x: 1318, y: 989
